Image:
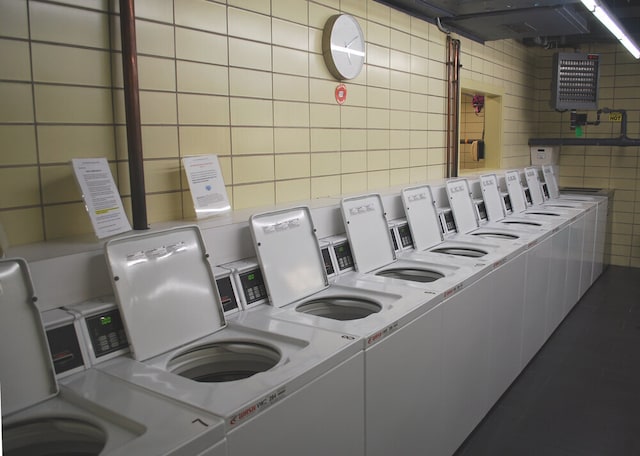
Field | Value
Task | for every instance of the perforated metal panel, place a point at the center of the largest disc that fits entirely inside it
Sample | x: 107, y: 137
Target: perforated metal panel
x: 575, y: 81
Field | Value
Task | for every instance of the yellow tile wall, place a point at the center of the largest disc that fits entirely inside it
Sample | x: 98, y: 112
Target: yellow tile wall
x: 616, y: 168
x: 244, y: 79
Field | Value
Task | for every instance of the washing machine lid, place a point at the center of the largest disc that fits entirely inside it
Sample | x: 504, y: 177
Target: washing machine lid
x: 462, y: 206
x: 422, y: 216
x: 27, y: 376
x: 491, y: 195
x: 516, y: 192
x: 164, y: 285
x: 289, y: 254
x: 550, y: 180
x: 368, y: 232
x: 533, y: 182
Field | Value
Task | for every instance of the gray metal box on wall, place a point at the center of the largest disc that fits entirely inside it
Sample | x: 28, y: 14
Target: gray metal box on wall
x: 575, y: 81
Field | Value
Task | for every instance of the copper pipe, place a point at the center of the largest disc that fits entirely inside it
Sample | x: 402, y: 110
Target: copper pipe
x: 453, y: 105
x: 132, y: 109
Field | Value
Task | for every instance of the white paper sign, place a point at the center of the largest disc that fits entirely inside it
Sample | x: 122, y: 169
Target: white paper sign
x: 101, y: 197
x: 207, y: 185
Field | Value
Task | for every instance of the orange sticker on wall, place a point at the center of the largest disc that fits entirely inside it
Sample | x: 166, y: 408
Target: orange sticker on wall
x: 341, y: 93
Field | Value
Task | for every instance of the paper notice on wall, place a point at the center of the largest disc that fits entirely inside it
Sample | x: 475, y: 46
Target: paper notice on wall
x: 207, y: 185
x: 101, y: 197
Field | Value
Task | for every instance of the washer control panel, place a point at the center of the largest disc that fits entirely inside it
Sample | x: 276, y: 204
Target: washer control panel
x: 404, y: 233
x: 447, y: 223
x: 252, y: 285
x: 106, y: 333
x: 344, y: 258
x: 245, y: 285
x: 507, y: 204
x: 481, y: 211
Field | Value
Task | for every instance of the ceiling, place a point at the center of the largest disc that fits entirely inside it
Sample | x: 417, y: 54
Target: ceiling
x: 548, y: 23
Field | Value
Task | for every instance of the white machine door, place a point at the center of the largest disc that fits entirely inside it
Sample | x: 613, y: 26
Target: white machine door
x: 550, y: 180
x: 27, y: 375
x: 461, y: 204
x: 493, y: 202
x: 516, y: 192
x: 368, y: 232
x: 289, y: 254
x: 165, y: 288
x: 422, y: 216
x: 533, y: 182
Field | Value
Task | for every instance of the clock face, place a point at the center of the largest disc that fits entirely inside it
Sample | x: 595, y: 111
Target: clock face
x: 343, y: 46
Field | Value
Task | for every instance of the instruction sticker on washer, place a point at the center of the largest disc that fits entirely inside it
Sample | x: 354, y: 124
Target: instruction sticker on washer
x: 255, y: 408
x: 101, y: 197
x: 207, y: 185
x: 382, y: 334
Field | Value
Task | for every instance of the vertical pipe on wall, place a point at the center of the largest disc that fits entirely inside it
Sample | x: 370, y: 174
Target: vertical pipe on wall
x: 132, y: 109
x: 453, y: 105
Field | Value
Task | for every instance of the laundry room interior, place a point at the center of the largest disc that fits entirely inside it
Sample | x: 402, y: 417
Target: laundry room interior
x: 312, y: 227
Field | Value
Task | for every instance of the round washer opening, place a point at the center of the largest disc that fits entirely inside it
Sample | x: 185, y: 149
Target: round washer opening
x: 521, y: 222
x: 461, y: 251
x: 224, y: 361
x: 411, y: 274
x: 496, y: 235
x: 53, y: 436
x: 340, y: 308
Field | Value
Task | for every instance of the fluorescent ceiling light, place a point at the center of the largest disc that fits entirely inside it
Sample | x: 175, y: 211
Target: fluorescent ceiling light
x: 610, y: 22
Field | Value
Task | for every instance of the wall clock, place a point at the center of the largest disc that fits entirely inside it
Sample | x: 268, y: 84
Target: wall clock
x: 343, y: 46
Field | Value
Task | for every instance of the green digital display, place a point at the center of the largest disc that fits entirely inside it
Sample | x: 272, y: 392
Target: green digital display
x: 251, y: 276
x: 106, y: 320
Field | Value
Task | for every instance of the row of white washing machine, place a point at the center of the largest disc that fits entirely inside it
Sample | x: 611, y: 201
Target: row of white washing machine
x: 394, y: 337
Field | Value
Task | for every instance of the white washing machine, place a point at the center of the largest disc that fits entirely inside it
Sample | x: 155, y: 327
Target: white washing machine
x: 540, y: 197
x: 500, y: 211
x: 90, y: 413
x: 520, y: 202
x: 373, y: 251
x: 572, y: 194
x: 260, y: 375
x: 578, y: 195
x: 467, y: 215
x: 400, y: 326
x: 480, y: 318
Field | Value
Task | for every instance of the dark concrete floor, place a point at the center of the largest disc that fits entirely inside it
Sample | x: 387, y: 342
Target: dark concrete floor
x: 580, y: 395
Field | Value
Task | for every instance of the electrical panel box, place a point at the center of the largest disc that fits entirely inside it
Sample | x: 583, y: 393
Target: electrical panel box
x: 575, y: 81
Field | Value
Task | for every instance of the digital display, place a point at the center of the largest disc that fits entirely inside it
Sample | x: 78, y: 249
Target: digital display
x: 106, y: 320
x: 251, y: 276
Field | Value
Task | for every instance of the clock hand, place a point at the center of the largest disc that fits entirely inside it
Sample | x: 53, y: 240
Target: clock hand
x: 347, y: 45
